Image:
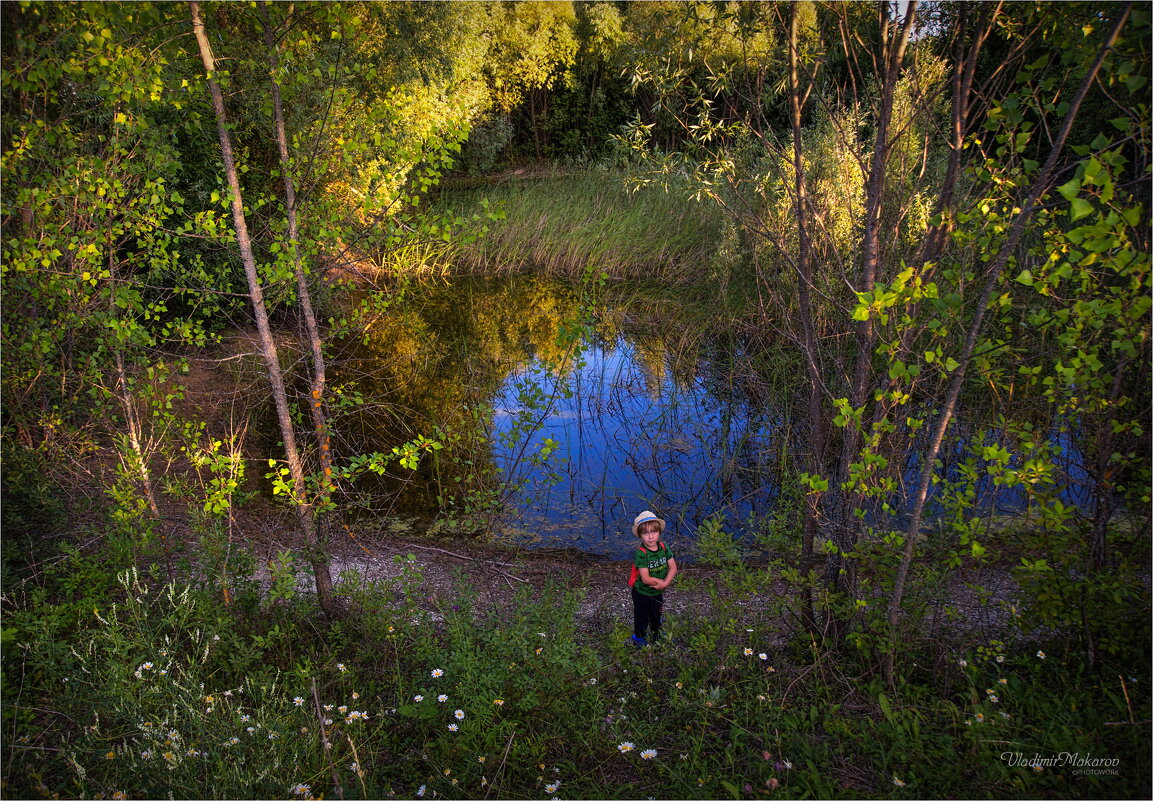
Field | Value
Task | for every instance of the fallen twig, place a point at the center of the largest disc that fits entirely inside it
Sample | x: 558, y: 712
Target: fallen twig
x: 469, y: 559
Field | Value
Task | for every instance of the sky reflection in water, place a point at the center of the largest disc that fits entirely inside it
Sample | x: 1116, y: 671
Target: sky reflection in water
x: 628, y: 441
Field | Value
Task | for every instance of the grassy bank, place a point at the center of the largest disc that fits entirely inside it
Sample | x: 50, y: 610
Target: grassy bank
x: 561, y: 223
x: 418, y: 695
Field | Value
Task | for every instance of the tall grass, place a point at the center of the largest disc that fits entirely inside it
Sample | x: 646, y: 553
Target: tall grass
x: 561, y: 223
x: 165, y: 694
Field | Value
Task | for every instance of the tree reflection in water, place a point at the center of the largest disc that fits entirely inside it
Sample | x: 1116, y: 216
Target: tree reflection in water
x: 544, y: 443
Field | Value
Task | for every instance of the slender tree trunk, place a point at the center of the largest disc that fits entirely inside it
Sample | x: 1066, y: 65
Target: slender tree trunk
x: 316, y: 556
x: 312, y: 330
x: 840, y: 572
x: 996, y: 267
x: 809, y: 339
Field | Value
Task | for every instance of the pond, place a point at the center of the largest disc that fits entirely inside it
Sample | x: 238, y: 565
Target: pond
x: 559, y: 426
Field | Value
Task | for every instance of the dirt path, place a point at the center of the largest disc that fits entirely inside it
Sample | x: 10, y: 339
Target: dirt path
x: 496, y: 573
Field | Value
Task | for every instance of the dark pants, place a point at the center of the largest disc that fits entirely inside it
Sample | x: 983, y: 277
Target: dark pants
x: 647, y: 614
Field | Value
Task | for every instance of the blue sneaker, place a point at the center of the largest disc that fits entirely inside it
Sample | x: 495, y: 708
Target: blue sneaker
x: 638, y: 642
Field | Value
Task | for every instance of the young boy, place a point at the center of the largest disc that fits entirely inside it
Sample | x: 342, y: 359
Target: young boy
x: 653, y: 571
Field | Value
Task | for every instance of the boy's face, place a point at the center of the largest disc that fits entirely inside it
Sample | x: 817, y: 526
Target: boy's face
x: 650, y: 534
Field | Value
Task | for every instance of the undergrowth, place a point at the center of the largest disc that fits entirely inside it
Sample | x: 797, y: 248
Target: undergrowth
x: 150, y: 690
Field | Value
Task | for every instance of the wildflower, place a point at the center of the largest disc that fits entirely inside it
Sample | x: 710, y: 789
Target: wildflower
x: 119, y: 795
x: 684, y: 757
x: 233, y: 740
x: 174, y: 734
x: 216, y: 638
x: 300, y: 789
x: 650, y: 753
x: 328, y: 721
x: 328, y: 707
x: 1005, y: 715
x: 298, y: 701
x: 763, y: 656
x: 897, y: 782
x: 772, y: 669
x: 748, y: 652
x: 679, y: 685
x: 538, y: 650
x: 993, y: 699
x: 787, y: 765
x: 391, y: 629
x: 760, y: 698
x: 968, y: 723
x: 1040, y: 654
x: 772, y: 783
x: 436, y: 674
x: 250, y: 729
x: 979, y: 717
x: 228, y: 693
x: 453, y: 727
x: 342, y: 709
x: 169, y: 757
x: 481, y: 759
x: 209, y: 699
x: 418, y: 698
x: 988, y: 692
x: 593, y: 680
x: 272, y: 735
x: 1000, y: 658
x: 624, y: 748
x: 244, y: 718
x: 459, y: 714
x: 447, y: 771
x: 355, y: 696
x: 552, y: 788
x: 164, y: 672
x: 1037, y: 768
x: 1002, y: 681
x: 420, y: 792
x: 146, y: 666
x: 498, y: 701
x: 110, y: 755
x: 146, y: 754
x: 340, y: 666
x: 962, y: 663
x: 440, y: 699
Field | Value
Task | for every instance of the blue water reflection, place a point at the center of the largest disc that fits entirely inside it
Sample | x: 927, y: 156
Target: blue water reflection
x: 629, y: 437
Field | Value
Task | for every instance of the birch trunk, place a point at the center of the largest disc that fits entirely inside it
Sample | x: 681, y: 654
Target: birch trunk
x: 316, y: 555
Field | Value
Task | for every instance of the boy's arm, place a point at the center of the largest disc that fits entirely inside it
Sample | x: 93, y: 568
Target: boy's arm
x: 643, y: 575
x: 668, y: 579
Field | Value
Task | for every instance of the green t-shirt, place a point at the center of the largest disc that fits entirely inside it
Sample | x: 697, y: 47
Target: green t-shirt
x: 657, y: 563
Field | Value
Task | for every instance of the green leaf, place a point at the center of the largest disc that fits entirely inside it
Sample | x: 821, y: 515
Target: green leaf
x: 951, y: 364
x: 1026, y: 278
x: 1069, y: 190
x: 1079, y: 207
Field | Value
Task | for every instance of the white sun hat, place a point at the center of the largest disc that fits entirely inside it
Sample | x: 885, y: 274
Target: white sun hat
x: 646, y: 517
